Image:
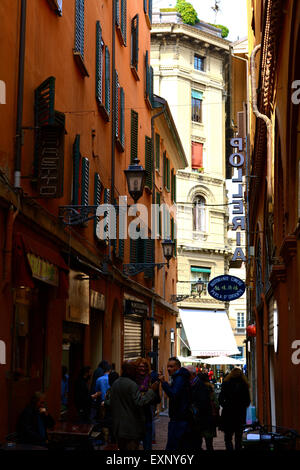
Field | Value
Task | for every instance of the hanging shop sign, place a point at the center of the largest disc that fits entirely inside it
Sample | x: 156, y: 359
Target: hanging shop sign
x: 97, y: 300
x: 226, y: 288
x: 78, y: 303
x: 236, y: 160
x: 42, y: 270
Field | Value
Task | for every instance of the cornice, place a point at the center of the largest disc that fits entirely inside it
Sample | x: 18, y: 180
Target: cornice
x: 288, y: 248
x: 278, y: 274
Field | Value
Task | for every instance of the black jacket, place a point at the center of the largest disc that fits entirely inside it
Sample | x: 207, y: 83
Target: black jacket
x: 202, y: 407
x: 234, y: 399
x: 179, y: 393
x: 32, y: 426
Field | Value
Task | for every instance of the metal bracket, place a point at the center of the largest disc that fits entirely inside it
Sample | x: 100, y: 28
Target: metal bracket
x: 132, y: 269
x: 180, y: 298
x: 76, y: 215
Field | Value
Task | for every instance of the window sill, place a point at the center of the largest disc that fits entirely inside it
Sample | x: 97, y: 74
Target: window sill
x: 80, y: 63
x: 103, y: 111
x: 135, y: 73
x: 148, y: 102
x: 119, y: 145
x: 120, y: 35
x: 196, y: 123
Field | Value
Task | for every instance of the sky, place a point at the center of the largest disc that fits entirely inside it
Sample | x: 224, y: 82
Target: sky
x: 233, y: 14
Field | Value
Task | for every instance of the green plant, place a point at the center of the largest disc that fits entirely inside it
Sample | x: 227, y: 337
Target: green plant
x: 224, y: 29
x: 187, y: 12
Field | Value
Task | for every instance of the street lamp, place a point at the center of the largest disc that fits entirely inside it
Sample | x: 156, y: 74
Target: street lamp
x: 168, y: 249
x: 135, y: 175
x: 200, y: 287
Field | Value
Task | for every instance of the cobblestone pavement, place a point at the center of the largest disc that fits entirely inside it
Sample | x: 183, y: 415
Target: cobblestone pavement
x: 161, y: 433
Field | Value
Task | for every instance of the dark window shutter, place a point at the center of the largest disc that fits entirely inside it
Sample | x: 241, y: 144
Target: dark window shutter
x: 99, y: 64
x: 97, y: 196
x: 158, y: 221
x: 121, y: 247
x: 107, y: 79
x: 165, y: 169
x: 122, y: 117
x: 106, y: 201
x: 148, y: 162
x: 147, y: 74
x: 150, y: 10
x: 145, y: 6
x: 117, y: 12
x: 133, y: 251
x: 157, y: 151
x: 134, y: 135
x: 124, y: 19
x: 79, y: 27
x: 85, y: 181
x: 151, y: 85
x: 44, y: 103
x: 149, y: 257
x: 135, y: 41
x: 76, y: 170
x: 117, y: 110
x: 168, y: 174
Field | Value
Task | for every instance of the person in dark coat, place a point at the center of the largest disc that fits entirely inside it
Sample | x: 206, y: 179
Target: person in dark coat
x: 34, y: 421
x: 234, y: 399
x: 82, y: 396
x: 179, y: 393
x: 126, y: 403
x: 202, y: 420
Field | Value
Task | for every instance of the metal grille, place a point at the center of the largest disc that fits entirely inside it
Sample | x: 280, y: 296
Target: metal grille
x: 133, y: 337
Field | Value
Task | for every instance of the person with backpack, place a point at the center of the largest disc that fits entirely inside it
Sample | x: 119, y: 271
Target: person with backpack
x: 234, y: 399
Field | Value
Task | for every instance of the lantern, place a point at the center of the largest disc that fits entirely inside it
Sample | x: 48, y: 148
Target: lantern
x: 251, y: 330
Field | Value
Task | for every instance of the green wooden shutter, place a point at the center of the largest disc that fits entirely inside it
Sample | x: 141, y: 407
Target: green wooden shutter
x: 151, y: 85
x: 122, y: 117
x: 164, y: 169
x: 44, y: 102
x: 79, y: 27
x: 76, y: 170
x: 168, y: 174
x: 97, y: 196
x: 124, y: 19
x: 157, y: 151
x: 107, y: 79
x: 121, y: 247
x: 137, y: 43
x: 158, y: 221
x: 149, y: 257
x: 133, y: 251
x: 134, y: 135
x: 147, y: 73
x: 117, y: 109
x: 106, y: 201
x: 148, y: 162
x: 85, y: 181
x: 117, y: 12
x: 99, y: 64
x: 145, y: 6
x: 150, y: 10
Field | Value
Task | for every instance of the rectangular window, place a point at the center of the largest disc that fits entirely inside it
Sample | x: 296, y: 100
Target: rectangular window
x: 197, y: 106
x: 135, y: 42
x: 199, y: 273
x: 197, y: 155
x: 240, y: 320
x: 199, y: 62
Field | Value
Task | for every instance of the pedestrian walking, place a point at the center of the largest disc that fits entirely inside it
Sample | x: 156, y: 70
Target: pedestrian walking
x: 126, y: 403
x: 64, y: 388
x: 144, y: 381
x: 179, y: 393
x: 98, y: 373
x: 234, y: 399
x: 83, y: 400
x: 209, y: 430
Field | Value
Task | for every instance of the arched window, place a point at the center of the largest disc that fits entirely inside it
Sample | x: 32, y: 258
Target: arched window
x: 199, y: 215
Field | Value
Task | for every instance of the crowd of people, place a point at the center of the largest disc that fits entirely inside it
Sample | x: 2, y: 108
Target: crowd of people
x: 124, y: 406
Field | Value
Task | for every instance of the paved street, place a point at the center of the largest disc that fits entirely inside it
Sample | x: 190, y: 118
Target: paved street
x: 161, y: 431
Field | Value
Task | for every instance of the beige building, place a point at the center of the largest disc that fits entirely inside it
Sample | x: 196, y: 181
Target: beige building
x: 191, y: 66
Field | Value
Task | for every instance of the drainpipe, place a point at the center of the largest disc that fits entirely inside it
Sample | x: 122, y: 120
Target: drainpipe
x: 18, y: 149
x: 8, y: 245
x: 268, y: 124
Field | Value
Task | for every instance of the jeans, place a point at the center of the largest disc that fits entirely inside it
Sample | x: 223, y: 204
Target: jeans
x: 178, y: 432
x: 238, y: 433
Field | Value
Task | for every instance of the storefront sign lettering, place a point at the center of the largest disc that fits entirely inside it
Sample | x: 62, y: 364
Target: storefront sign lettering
x: 42, y: 270
x: 226, y: 288
x: 236, y: 160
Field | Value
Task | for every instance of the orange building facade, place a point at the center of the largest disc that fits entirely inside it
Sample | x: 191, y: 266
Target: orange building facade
x: 273, y: 273
x: 76, y: 114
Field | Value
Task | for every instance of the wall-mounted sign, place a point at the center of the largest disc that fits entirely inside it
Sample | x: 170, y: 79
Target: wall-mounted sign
x: 135, y: 308
x: 236, y: 160
x: 2, y: 353
x: 226, y: 288
x: 42, y: 270
x: 78, y: 303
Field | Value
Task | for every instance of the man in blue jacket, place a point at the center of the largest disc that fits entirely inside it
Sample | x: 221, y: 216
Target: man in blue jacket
x: 179, y: 404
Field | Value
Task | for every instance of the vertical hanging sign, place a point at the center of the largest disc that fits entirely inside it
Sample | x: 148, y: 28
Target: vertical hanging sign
x: 236, y: 160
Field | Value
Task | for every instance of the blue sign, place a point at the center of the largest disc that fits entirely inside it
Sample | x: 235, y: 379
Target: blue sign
x: 226, y: 288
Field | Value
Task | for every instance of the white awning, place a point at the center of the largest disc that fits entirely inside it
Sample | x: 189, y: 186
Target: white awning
x: 224, y: 360
x: 208, y: 332
x: 190, y: 359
